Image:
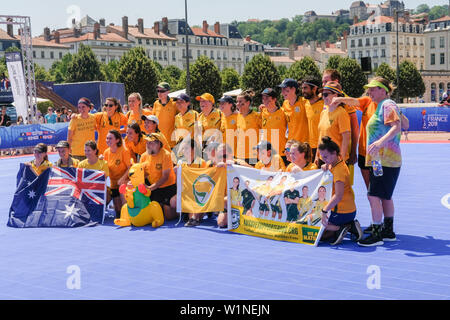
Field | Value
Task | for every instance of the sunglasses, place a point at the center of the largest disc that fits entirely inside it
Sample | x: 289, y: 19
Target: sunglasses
x: 161, y: 91
x: 109, y: 105
x: 287, y: 150
x: 326, y: 94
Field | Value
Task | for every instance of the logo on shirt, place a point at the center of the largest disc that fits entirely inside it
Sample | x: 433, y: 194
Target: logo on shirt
x: 117, y: 162
x: 159, y: 166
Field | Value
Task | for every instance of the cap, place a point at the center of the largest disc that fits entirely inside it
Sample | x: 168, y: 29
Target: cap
x: 151, y: 118
x: 335, y: 87
x: 206, y: 96
x: 183, y: 96
x: 269, y: 92
x: 376, y: 84
x: 228, y: 99
x: 62, y: 144
x: 164, y: 85
x: 153, y: 137
x: 263, y: 145
x: 291, y: 83
x: 41, y: 148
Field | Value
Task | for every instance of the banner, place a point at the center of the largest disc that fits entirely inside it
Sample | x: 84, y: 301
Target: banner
x: 17, y: 79
x: 58, y: 198
x: 201, y: 190
x: 278, y: 205
x: 31, y: 135
x: 428, y: 118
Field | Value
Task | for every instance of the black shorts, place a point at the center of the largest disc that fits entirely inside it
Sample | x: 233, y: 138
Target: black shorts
x: 362, y: 162
x: 383, y: 187
x: 285, y: 160
x: 163, y: 195
x: 114, y: 193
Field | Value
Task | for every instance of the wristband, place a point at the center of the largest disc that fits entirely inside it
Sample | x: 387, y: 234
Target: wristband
x: 323, y: 211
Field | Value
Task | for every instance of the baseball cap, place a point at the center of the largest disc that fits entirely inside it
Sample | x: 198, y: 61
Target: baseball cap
x: 228, y: 99
x: 263, y: 145
x: 183, y: 96
x: 62, y: 144
x: 206, y: 96
x: 269, y: 92
x: 164, y: 85
x: 151, y: 118
x: 41, y: 148
x: 291, y: 83
x: 153, y: 137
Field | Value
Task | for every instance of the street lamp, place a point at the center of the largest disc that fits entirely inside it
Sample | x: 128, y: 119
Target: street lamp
x: 398, y: 65
x: 188, y: 75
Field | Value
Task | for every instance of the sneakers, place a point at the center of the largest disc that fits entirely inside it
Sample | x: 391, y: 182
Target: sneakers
x: 355, y: 230
x: 388, y: 230
x: 368, y: 229
x: 375, y: 239
x: 340, y: 234
x: 192, y: 223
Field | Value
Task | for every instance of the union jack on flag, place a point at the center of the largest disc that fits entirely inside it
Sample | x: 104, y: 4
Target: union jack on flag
x: 77, y: 183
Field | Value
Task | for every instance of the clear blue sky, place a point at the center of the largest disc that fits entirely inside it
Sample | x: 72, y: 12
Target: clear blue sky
x: 54, y: 13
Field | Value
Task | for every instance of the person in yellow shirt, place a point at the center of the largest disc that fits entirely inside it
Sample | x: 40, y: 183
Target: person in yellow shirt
x: 315, y: 216
x: 210, y: 119
x: 267, y: 158
x: 40, y: 162
x: 165, y: 109
x: 248, y: 126
x: 274, y: 122
x: 136, y: 111
x: 334, y: 121
x: 160, y: 176
x: 229, y: 121
x: 314, y: 106
x: 81, y: 129
x: 305, y: 204
x: 294, y: 108
x: 111, y: 119
x: 185, y: 120
x: 342, y: 202
x: 119, y: 163
x: 65, y: 160
x: 134, y: 142
x: 287, y: 150
x: 301, y: 154
x: 151, y: 124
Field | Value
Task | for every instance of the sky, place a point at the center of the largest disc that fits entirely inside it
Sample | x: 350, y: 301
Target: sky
x: 57, y: 14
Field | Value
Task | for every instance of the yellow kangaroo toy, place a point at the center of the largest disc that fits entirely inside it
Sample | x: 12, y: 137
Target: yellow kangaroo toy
x: 139, y: 211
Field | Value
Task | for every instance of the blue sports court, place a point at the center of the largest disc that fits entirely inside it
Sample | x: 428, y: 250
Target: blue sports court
x: 206, y: 263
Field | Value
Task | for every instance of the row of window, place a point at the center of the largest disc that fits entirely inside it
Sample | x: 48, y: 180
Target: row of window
x: 50, y: 56
x: 441, y: 42
x: 375, y: 54
x: 212, y: 41
x: 437, y: 96
x: 156, y: 42
x: 433, y: 59
x: 375, y: 42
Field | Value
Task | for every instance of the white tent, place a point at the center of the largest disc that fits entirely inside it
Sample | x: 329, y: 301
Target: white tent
x: 176, y: 93
x: 233, y: 93
x: 37, y: 100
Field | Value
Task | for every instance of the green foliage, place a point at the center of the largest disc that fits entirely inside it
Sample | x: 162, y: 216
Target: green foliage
x: 40, y: 74
x: 171, y: 75
x: 230, y: 79
x: 333, y: 62
x: 283, y: 71
x: 423, y: 8
x: 139, y: 74
x: 43, y: 106
x: 58, y: 70
x: 437, y: 12
x: 110, y: 70
x: 353, y: 78
x: 385, y: 71
x: 205, y: 77
x: 84, y: 66
x: 410, y: 81
x: 260, y: 73
x: 13, y: 49
x: 305, y: 67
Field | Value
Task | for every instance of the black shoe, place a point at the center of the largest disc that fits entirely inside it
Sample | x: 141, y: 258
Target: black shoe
x: 355, y: 230
x: 185, y: 217
x: 368, y: 229
x: 340, y: 234
x: 375, y: 239
x: 388, y: 230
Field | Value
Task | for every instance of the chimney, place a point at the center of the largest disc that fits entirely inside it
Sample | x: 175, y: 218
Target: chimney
x: 292, y: 51
x: 344, y: 41
x: 47, y: 34
x: 156, y: 27
x: 407, y: 16
x: 73, y: 23
x: 312, y: 44
x: 165, y: 25
x: 10, y: 28
x: 57, y: 37
x: 323, y: 46
x: 125, y: 27
x: 141, y: 25
x: 355, y: 19
x: 102, y: 22
x: 217, y: 27
x: 327, y: 44
x: 205, y: 26
x: 248, y: 38
x: 96, y: 30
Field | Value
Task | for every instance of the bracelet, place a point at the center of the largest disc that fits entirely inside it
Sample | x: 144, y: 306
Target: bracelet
x: 323, y: 211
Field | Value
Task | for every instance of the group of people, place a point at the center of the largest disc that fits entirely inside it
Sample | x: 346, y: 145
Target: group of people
x: 315, y: 127
x: 5, y: 84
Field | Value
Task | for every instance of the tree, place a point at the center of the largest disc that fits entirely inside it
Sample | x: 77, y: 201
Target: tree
x: 305, y: 67
x: 230, y: 79
x: 333, y: 62
x: 410, y: 81
x: 423, y: 8
x: 40, y: 74
x: 283, y: 71
x: 84, y: 66
x: 110, y: 70
x: 353, y: 78
x: 437, y: 12
x: 386, y: 72
x: 138, y: 73
x: 260, y: 73
x: 58, y: 70
x: 171, y: 75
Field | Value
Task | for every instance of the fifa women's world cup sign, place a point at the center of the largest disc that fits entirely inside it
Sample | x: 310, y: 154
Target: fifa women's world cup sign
x: 277, y: 205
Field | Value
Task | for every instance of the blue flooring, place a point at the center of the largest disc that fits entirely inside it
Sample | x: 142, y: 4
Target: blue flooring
x: 206, y: 263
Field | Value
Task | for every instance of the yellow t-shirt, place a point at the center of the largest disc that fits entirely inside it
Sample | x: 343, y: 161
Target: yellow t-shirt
x: 166, y: 116
x: 83, y: 130
x: 313, y: 112
x: 156, y: 164
x: 44, y: 166
x: 118, y: 164
x: 309, y: 166
x: 235, y: 197
x: 136, y: 117
x: 103, y: 126
x: 275, y: 124
x: 75, y: 163
x: 211, y: 121
x: 275, y: 164
x: 341, y: 173
x: 198, y: 163
x: 135, y: 149
x: 296, y: 120
x: 304, y: 205
x: 185, y: 124
x: 229, y: 126
x: 100, y: 165
x: 248, y: 135
x: 334, y: 124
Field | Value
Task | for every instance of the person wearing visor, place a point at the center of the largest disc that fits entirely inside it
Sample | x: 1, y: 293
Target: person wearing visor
x: 334, y: 121
x: 65, y: 160
x: 81, y: 129
x: 151, y: 124
x: 210, y: 118
x: 165, y: 109
x: 383, y: 145
x: 229, y: 121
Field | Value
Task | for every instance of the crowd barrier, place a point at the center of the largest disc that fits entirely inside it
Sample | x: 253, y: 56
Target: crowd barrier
x: 427, y: 118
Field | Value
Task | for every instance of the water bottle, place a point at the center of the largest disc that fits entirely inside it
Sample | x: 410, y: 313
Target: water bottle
x: 377, y: 168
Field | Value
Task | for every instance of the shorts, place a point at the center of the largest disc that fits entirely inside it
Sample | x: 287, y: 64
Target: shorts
x: 339, y: 219
x: 114, y: 193
x: 263, y: 207
x: 383, y: 187
x: 362, y: 162
x: 275, y: 208
x: 292, y: 212
x: 163, y: 195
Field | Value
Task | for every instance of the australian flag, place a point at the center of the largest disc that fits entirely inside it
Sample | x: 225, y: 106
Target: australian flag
x: 58, y: 198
